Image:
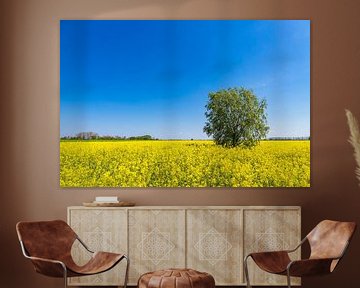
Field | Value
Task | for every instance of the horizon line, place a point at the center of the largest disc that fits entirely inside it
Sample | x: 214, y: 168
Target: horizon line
x: 190, y: 138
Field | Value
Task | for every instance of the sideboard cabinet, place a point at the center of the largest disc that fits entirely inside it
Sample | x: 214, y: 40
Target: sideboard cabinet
x: 212, y: 239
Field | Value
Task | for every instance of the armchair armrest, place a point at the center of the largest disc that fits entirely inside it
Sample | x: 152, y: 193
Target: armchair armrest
x: 309, y: 267
x: 314, y: 266
x: 84, y: 245
x: 280, y: 252
x: 298, y: 246
x: 49, y: 267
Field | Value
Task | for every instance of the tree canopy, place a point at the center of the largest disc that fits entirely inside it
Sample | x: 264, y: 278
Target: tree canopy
x: 236, y: 117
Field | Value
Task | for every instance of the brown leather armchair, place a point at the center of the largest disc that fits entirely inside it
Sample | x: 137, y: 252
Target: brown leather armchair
x: 328, y: 242
x: 48, y: 245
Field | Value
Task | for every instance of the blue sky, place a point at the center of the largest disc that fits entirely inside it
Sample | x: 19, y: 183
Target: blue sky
x: 131, y: 77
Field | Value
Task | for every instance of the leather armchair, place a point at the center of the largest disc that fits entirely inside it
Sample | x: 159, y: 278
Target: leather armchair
x: 48, y: 245
x: 328, y: 242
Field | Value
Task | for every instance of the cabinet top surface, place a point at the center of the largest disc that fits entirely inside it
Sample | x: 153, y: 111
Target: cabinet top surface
x: 192, y: 207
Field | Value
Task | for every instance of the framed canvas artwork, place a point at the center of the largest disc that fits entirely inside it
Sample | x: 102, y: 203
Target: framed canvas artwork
x: 184, y: 103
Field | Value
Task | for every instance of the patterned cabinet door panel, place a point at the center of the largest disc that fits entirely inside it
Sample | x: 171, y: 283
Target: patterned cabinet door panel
x: 156, y: 240
x: 214, y: 244
x: 101, y: 230
x: 269, y: 230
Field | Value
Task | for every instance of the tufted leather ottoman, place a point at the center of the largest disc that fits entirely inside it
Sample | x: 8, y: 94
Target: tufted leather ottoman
x: 176, y: 278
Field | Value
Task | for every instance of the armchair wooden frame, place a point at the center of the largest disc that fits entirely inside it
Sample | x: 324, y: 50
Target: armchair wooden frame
x: 320, y: 262
x: 65, y: 267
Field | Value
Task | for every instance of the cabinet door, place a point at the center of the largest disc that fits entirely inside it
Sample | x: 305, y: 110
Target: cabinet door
x: 214, y: 244
x: 100, y: 230
x: 156, y: 240
x: 270, y: 230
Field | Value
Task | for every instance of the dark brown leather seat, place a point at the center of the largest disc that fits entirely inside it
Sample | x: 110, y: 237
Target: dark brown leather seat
x: 48, y: 245
x: 176, y: 278
x: 328, y: 242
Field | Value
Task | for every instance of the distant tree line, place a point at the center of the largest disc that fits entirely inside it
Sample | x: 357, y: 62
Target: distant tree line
x: 289, y: 138
x: 96, y: 136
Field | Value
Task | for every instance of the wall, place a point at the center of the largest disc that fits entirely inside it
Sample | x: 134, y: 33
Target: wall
x: 29, y: 118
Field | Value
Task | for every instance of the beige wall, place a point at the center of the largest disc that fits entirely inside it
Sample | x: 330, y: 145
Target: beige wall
x: 29, y: 118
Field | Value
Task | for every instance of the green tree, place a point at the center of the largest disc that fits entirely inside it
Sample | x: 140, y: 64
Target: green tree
x: 236, y: 117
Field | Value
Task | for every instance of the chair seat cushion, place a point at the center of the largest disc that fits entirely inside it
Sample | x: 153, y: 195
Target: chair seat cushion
x: 272, y: 262
x: 99, y: 262
x: 176, y: 278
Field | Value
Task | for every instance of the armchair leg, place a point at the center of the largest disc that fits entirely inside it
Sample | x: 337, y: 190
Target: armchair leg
x: 288, y: 279
x: 246, y: 270
x: 127, y: 271
x: 65, y: 276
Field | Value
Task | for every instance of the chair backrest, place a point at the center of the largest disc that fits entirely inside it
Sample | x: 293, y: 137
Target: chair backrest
x: 46, y: 239
x: 329, y: 239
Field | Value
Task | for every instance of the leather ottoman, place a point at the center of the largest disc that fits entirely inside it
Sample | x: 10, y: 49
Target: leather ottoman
x: 176, y: 278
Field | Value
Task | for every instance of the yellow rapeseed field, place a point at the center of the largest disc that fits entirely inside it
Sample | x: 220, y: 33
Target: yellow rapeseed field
x: 183, y: 164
